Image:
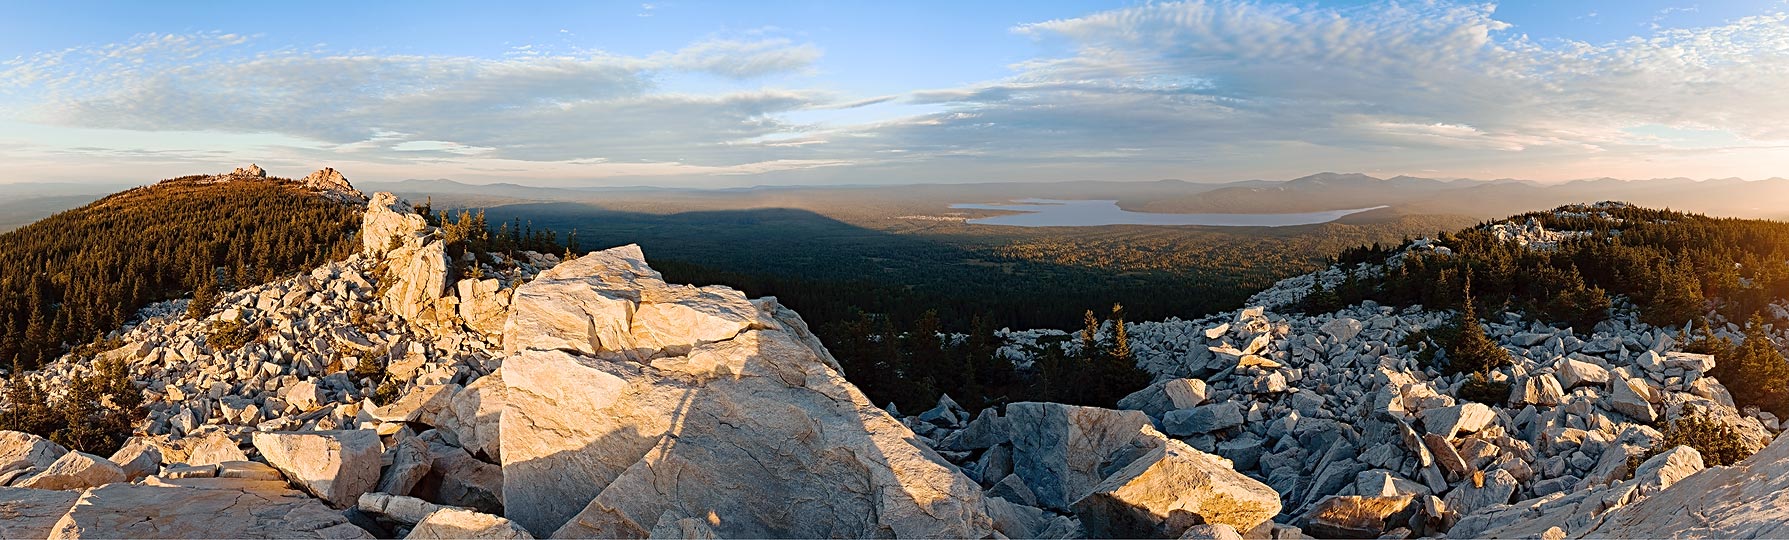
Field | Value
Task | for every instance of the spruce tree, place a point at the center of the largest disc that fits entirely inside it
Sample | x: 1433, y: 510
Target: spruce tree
x: 1121, y: 345
x: 1472, y: 351
x: 204, y: 298
x: 1757, y: 373
x: 1118, y: 373
x: 1090, y: 348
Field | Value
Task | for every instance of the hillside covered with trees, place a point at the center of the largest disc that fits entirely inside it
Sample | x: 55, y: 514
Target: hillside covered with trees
x: 1685, y: 271
x: 72, y: 277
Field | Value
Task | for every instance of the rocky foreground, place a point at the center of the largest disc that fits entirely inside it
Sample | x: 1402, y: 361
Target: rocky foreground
x: 382, y: 397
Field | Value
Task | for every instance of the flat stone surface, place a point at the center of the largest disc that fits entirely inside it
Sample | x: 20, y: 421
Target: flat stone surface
x: 32, y: 513
x: 202, y: 508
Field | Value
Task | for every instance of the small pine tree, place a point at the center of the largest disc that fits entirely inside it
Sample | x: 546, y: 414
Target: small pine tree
x: 1472, y: 351
x: 1121, y: 342
x: 1119, y: 375
x: 204, y: 298
x: 1090, y: 336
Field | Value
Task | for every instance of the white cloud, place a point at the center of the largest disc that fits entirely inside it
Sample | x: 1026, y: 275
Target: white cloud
x: 536, y: 106
x: 1175, y: 89
x: 743, y: 59
x: 1187, y: 81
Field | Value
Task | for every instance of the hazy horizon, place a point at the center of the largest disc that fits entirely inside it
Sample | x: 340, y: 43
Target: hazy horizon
x: 697, y: 94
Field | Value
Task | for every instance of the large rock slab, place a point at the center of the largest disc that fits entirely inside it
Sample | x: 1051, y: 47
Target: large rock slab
x: 1575, y: 373
x: 1171, y: 488
x: 20, y: 450
x: 1630, y: 398
x: 202, y: 508
x: 1356, y: 516
x: 484, y: 305
x: 630, y: 402
x: 212, y: 448
x: 31, y: 513
x: 1203, y: 419
x: 477, y: 409
x: 610, y: 303
x: 460, y: 524
x: 1448, y: 422
x: 1063, y: 452
x: 336, y: 466
x: 75, y: 471
x: 1747, y: 500
x: 138, y: 458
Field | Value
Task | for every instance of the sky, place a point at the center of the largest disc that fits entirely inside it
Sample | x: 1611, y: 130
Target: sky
x: 721, y: 94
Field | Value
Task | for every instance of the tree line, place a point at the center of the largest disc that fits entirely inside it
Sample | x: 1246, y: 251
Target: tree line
x: 74, y: 276
x: 1677, y: 268
x: 912, y: 366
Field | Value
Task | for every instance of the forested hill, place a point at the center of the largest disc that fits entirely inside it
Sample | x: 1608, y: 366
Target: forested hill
x: 1561, y: 266
x: 71, y: 278
x: 1720, y: 285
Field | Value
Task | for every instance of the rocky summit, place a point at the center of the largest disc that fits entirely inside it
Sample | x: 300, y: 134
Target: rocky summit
x: 412, y: 392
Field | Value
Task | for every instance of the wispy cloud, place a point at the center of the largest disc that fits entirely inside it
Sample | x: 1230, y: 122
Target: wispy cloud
x: 529, y: 106
x: 1219, y: 86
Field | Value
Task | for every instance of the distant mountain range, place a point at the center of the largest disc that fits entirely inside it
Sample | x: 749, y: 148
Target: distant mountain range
x: 1404, y: 195
x: 1476, y: 198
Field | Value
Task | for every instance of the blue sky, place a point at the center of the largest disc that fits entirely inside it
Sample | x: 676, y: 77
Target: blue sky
x: 744, y: 93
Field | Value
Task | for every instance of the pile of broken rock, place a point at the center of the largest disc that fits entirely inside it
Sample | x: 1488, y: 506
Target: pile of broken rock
x: 590, y: 398
x: 1335, y: 412
x: 583, y: 398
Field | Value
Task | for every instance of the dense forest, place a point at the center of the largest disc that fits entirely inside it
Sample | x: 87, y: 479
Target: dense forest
x: 72, y: 277
x: 913, y: 367
x: 1677, y: 268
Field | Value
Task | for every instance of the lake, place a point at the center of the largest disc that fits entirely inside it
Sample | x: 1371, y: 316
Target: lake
x: 1092, y: 213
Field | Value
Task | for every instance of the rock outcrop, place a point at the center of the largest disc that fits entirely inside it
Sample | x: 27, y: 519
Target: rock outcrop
x: 1747, y: 500
x: 414, y: 260
x: 332, y: 184
x: 252, y: 170
x: 630, y: 402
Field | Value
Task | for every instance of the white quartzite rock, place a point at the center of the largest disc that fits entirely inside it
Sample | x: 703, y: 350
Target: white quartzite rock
x: 1062, y: 452
x: 1574, y: 373
x: 459, y: 524
x: 20, y: 450
x: 1630, y: 398
x: 31, y: 513
x: 75, y: 471
x: 336, y: 466
x: 610, y: 302
x: 1747, y: 500
x: 202, y: 508
x: 1463, y: 418
x: 1171, y: 488
x: 630, y: 401
x: 138, y: 458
